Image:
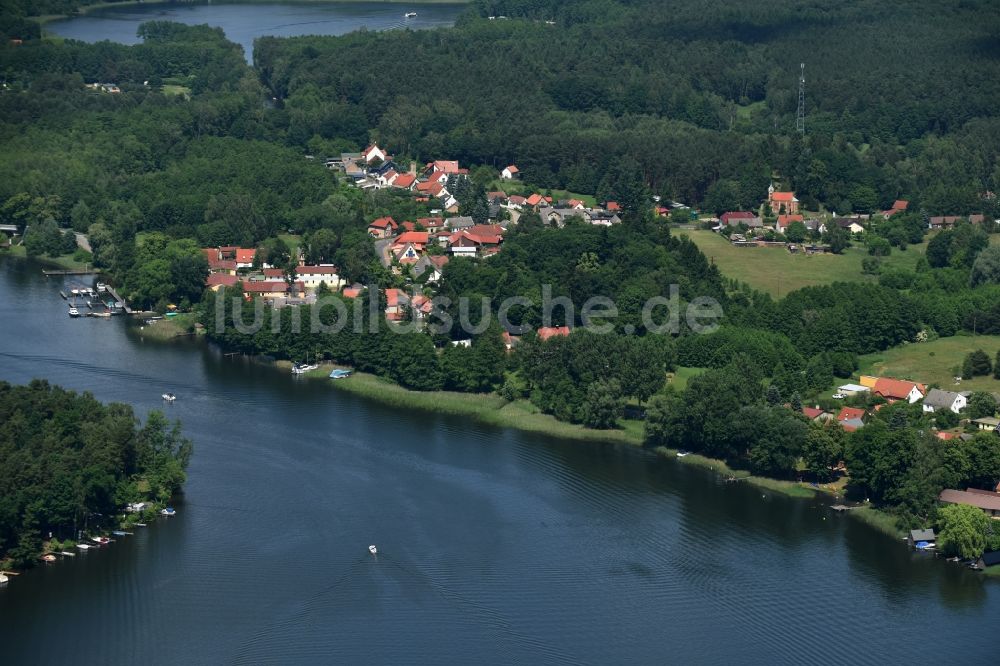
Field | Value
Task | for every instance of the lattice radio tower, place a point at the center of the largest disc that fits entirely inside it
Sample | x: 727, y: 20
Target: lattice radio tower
x: 800, y: 115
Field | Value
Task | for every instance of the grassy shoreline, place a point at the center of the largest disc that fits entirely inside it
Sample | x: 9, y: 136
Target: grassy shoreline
x: 65, y: 262
x: 789, y: 488
x: 488, y: 408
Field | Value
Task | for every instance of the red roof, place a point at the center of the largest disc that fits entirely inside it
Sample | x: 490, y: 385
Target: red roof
x: 812, y: 412
x: 547, y: 332
x: 404, y: 180
x: 488, y: 229
x: 612, y: 205
x: 439, y: 260
x: 271, y: 287
x: 315, y: 270
x: 216, y: 279
x: 274, y: 273
x: 415, y: 237
x: 946, y: 436
x: 244, y: 256
x: 735, y: 215
x: 782, y: 196
x: 383, y: 223
x: 900, y: 204
x: 491, y: 196
x: 517, y: 199
x: 447, y: 166
x: 534, y: 199
x: 847, y: 413
x: 352, y: 292
x: 431, y: 222
x: 893, y: 388
x: 512, y: 168
x: 393, y: 297
x: 785, y: 220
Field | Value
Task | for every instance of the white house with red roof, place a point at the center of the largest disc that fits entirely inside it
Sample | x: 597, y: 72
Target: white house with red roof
x: 383, y: 227
x: 510, y: 173
x: 245, y: 257
x: 312, y: 276
x: 404, y: 181
x: 372, y: 153
x: 898, y: 206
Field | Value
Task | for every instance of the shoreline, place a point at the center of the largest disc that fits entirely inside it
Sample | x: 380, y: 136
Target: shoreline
x: 43, y: 19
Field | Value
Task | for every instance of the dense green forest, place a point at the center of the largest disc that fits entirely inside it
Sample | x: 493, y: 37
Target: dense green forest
x: 70, y: 463
x: 698, y: 99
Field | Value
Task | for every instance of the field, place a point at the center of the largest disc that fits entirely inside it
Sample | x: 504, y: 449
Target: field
x: 934, y: 362
x: 778, y: 272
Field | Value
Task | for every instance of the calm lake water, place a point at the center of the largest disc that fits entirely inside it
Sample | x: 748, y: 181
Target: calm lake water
x: 495, y: 546
x: 245, y: 23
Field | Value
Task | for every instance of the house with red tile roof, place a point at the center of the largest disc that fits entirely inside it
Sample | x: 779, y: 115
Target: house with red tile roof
x: 431, y: 224
x: 612, y: 206
x: 737, y: 217
x: 546, y: 332
x: 404, y: 181
x: 397, y: 303
x: 535, y: 200
x: 419, y: 238
x: 898, y: 206
x: 851, y: 418
x: 516, y: 201
x: 383, y: 227
x: 273, y: 289
x: 352, y: 292
x: 216, y: 281
x: 897, y: 389
x: 373, y: 152
x: 510, y: 173
x: 781, y: 226
x: 814, y: 413
x: 498, y: 196
x: 245, y: 257
x: 446, y: 166
x: 216, y: 264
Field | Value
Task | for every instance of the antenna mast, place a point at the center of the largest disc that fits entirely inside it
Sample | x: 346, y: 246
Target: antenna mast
x: 800, y: 116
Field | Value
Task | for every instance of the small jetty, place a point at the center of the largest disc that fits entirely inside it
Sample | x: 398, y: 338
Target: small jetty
x: 843, y: 507
x: 66, y: 553
x: 49, y: 273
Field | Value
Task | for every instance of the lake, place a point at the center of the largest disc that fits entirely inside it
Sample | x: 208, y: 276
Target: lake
x: 244, y: 23
x: 495, y: 546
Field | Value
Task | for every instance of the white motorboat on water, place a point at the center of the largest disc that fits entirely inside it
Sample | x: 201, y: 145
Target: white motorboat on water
x: 84, y: 547
x: 301, y: 369
x: 168, y: 511
x: 410, y: 15
x: 372, y: 549
x: 101, y: 540
x: 73, y: 312
x: 169, y: 397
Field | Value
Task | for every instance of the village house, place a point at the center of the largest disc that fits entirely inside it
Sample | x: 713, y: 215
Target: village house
x: 850, y: 224
x: 612, y: 207
x: 404, y: 181
x: 781, y: 226
x: 898, y: 206
x: 510, y: 173
x: 988, y: 502
x: 273, y: 290
x: 459, y: 223
x: 383, y: 227
x: 244, y: 257
x: 216, y: 262
x: 897, y: 389
x: 851, y: 418
x: 311, y: 276
x: 217, y: 281
x: 782, y: 203
x: 516, y: 201
x: 431, y: 224
x: 373, y: 153
x: 853, y: 389
x: 737, y: 217
x: 546, y: 332
x: 987, y: 424
x: 397, y: 304
x: 429, y: 268
x: 938, y: 400
x: 816, y: 414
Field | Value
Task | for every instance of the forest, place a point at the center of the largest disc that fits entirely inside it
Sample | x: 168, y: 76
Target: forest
x: 69, y: 463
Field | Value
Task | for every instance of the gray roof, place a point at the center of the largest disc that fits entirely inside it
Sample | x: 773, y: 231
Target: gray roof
x: 461, y: 222
x: 922, y: 535
x: 939, y: 398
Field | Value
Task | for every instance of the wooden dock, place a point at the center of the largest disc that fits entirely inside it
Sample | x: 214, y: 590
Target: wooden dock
x: 843, y: 507
x: 68, y: 271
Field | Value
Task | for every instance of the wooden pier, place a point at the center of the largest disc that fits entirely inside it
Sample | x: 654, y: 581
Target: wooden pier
x: 68, y: 271
x: 843, y: 507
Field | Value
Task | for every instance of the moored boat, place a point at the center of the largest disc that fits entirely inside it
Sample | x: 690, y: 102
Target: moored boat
x: 48, y: 558
x: 409, y: 15
x: 372, y: 549
x: 301, y: 369
x: 73, y: 312
x: 169, y: 397
x: 340, y: 374
x: 168, y: 511
x: 101, y: 540
x: 84, y: 547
